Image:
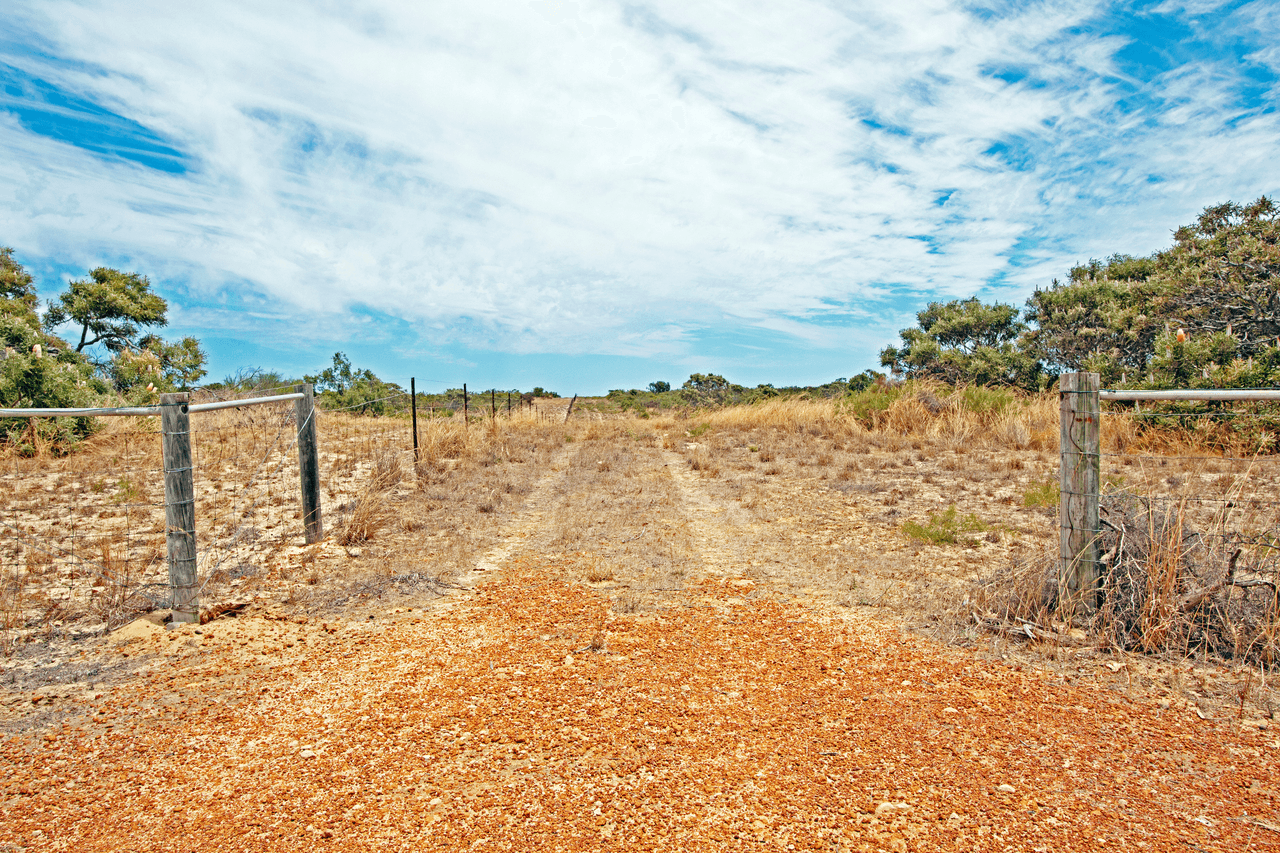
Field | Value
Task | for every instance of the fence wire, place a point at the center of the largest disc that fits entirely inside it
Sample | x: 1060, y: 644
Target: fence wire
x: 82, y: 538
x: 1189, y: 539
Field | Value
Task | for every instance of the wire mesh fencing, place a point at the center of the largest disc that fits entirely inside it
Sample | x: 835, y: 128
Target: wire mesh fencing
x: 83, y: 538
x: 1179, y: 519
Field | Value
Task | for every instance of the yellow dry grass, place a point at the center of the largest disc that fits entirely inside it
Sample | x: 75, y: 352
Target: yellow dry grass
x: 82, y: 542
x: 1031, y: 423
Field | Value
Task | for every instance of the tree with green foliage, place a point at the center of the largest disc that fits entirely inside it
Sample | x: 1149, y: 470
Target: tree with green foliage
x: 866, y: 379
x: 659, y: 387
x: 1100, y: 319
x: 1219, y: 284
x: 111, y: 305
x: 342, y: 386
x: 113, y: 308
x: 965, y: 341
x: 704, y: 388
x: 37, y: 370
x: 19, y: 324
x: 163, y: 366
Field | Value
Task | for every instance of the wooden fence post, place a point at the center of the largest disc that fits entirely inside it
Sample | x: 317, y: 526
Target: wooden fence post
x: 309, y: 464
x: 465, y: 421
x: 180, y: 507
x: 1080, y: 451
x: 493, y: 404
x: 570, y: 410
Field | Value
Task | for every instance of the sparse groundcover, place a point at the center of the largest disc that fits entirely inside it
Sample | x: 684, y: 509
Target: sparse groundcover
x: 946, y: 528
x: 590, y: 571
x: 1042, y: 494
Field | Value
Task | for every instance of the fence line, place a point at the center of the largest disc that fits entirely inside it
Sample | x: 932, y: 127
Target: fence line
x: 179, y: 479
x: 104, y: 553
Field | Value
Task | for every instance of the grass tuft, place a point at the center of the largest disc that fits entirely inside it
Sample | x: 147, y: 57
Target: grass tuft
x: 946, y: 528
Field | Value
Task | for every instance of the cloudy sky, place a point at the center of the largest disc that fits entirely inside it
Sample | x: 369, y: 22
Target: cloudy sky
x: 598, y: 194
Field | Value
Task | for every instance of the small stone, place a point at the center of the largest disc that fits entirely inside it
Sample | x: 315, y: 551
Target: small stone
x: 891, y: 808
x: 1007, y: 789
x: 306, y: 753
x: 950, y: 710
x: 954, y: 816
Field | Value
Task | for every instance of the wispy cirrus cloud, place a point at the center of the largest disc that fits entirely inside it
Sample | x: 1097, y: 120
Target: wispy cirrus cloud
x: 623, y: 178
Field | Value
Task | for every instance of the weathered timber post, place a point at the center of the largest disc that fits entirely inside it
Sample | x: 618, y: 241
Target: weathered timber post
x: 493, y: 404
x: 1080, y: 451
x: 309, y: 464
x: 180, y: 506
x: 570, y: 410
x: 413, y: 396
x: 465, y: 422
x: 508, y: 404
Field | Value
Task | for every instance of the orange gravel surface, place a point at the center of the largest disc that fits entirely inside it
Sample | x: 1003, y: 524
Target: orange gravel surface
x: 526, y: 715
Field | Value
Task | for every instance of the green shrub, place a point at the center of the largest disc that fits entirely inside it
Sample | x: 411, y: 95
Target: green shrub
x: 44, y: 382
x: 1044, y: 494
x: 359, y: 390
x: 871, y: 402
x: 946, y: 528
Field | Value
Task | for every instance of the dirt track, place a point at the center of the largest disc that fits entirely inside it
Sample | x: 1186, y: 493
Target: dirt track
x: 530, y: 710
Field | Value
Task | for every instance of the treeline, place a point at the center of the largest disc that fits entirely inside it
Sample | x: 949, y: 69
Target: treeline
x: 711, y: 389
x: 1204, y: 313
x: 344, y: 387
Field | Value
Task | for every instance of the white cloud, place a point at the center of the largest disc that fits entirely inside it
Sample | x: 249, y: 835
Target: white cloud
x: 601, y: 177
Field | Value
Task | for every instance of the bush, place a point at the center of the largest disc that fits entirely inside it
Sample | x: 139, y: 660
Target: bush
x: 344, y: 387
x: 39, y: 381
x: 945, y: 528
x: 39, y: 371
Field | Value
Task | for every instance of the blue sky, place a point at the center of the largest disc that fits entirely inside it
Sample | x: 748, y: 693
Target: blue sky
x: 592, y: 195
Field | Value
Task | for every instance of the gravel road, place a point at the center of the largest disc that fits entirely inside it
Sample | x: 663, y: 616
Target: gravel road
x: 527, y: 711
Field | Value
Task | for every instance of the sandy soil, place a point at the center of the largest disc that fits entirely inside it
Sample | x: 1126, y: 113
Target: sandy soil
x: 630, y: 666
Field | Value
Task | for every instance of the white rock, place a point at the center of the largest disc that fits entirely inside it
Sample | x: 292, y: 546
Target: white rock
x: 892, y: 808
x: 306, y: 753
x: 1007, y: 789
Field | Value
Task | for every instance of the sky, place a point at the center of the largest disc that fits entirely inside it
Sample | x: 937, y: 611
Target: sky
x: 593, y: 195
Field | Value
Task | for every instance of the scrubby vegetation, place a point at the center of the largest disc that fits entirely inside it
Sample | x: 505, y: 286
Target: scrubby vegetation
x: 1199, y: 314
x: 109, y: 309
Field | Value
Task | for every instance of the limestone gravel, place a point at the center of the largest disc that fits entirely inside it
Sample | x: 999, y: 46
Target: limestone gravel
x: 727, y: 720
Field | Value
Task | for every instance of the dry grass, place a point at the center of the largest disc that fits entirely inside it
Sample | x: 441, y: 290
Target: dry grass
x: 806, y: 497
x: 932, y: 414
x: 82, y: 537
